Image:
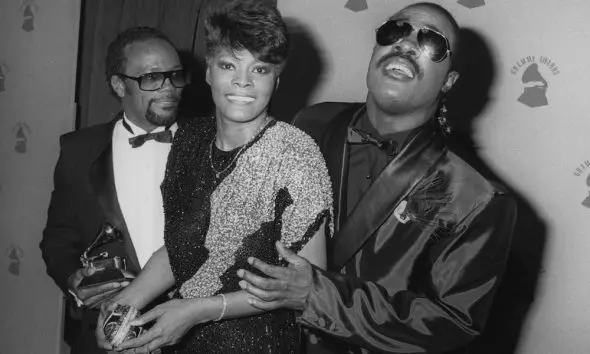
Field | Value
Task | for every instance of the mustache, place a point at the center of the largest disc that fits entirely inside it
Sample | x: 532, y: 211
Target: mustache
x: 399, y: 54
x: 174, y: 98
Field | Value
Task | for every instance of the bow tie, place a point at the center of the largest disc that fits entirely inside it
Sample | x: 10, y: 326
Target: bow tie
x: 164, y: 136
x: 356, y: 136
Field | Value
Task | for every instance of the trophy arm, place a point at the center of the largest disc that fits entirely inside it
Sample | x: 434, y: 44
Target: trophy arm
x: 106, y: 234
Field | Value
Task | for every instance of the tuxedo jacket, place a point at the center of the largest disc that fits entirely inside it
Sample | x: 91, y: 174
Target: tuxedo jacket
x: 84, y: 197
x: 413, y: 268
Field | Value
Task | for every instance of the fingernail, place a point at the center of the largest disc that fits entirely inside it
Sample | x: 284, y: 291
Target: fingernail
x: 125, y: 283
x: 240, y: 273
x: 242, y: 284
x: 250, y: 260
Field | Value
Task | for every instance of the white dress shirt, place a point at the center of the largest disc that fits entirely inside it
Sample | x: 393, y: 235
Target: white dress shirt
x: 139, y: 172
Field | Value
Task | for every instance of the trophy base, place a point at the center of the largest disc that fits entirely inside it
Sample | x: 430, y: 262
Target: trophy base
x: 104, y: 276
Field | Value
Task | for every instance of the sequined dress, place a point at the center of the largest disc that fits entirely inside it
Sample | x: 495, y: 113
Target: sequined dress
x: 275, y: 188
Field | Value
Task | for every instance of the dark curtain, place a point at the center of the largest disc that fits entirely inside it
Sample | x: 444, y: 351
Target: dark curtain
x: 102, y: 20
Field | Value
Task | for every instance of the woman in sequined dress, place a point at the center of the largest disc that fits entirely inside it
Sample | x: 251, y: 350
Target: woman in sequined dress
x: 235, y: 184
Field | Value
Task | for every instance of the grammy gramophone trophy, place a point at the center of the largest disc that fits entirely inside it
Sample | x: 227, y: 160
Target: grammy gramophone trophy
x: 110, y: 269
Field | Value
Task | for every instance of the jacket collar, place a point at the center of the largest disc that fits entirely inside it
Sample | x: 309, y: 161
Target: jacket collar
x: 419, y: 154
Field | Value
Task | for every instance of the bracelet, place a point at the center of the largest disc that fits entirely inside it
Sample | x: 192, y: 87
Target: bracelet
x: 223, y: 309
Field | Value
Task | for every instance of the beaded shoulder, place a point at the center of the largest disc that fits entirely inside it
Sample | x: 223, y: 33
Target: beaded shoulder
x: 292, y: 137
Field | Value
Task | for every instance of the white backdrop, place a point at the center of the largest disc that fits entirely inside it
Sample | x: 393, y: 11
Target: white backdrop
x: 38, y: 47
x: 541, y: 150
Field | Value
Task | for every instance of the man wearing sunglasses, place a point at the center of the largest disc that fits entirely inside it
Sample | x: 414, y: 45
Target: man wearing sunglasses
x: 112, y: 173
x: 421, y: 238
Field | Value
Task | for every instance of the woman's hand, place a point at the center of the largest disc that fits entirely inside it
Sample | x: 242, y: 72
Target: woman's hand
x: 172, y: 320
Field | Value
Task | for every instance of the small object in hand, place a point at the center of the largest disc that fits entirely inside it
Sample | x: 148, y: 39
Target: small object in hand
x: 116, y: 325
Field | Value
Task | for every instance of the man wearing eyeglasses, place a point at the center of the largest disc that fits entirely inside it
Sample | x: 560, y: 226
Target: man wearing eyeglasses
x: 421, y: 238
x: 112, y: 173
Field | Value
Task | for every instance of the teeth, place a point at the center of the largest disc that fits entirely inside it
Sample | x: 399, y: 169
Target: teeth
x: 240, y: 98
x: 404, y: 69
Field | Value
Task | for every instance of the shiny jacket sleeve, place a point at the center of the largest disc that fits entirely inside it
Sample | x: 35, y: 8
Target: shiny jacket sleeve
x: 60, y: 246
x: 440, y: 313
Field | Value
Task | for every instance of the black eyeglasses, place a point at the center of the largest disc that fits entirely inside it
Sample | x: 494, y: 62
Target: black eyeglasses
x: 154, y: 81
x: 434, y: 43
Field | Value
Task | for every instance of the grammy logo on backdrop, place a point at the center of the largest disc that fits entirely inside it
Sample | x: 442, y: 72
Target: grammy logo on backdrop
x: 586, y: 201
x: 3, y: 71
x: 471, y: 4
x: 21, y: 130
x: 581, y: 170
x: 534, y: 84
x: 15, y: 257
x: 356, y: 5
x: 28, y: 10
x: 361, y: 5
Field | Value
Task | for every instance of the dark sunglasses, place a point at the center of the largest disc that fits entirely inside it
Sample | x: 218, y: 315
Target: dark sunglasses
x: 155, y: 81
x: 431, y: 41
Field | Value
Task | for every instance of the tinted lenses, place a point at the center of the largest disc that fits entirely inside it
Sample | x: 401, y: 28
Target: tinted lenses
x: 429, y: 40
x: 155, y: 81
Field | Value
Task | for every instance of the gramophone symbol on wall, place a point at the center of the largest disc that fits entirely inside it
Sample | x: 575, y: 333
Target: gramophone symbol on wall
x: 356, y: 5
x: 586, y: 202
x: 535, y: 88
x: 3, y: 72
x: 28, y: 9
x: 15, y: 257
x: 471, y: 4
x: 21, y: 130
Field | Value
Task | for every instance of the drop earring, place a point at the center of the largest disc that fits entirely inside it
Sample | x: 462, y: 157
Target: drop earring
x: 442, y: 119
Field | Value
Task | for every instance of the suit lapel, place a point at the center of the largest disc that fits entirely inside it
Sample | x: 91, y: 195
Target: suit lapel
x: 335, y: 150
x: 102, y: 178
x: 388, y: 190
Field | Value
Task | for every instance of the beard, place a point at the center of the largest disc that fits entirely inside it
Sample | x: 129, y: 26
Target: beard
x: 156, y: 119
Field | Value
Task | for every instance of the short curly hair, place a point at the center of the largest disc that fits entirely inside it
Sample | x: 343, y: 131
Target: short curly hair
x: 116, y: 60
x: 253, y: 25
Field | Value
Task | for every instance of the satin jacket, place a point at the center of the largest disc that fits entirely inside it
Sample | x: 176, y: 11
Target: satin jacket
x: 414, y: 267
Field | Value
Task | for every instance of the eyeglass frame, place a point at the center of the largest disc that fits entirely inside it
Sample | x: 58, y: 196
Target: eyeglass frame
x: 167, y: 76
x: 417, y: 28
